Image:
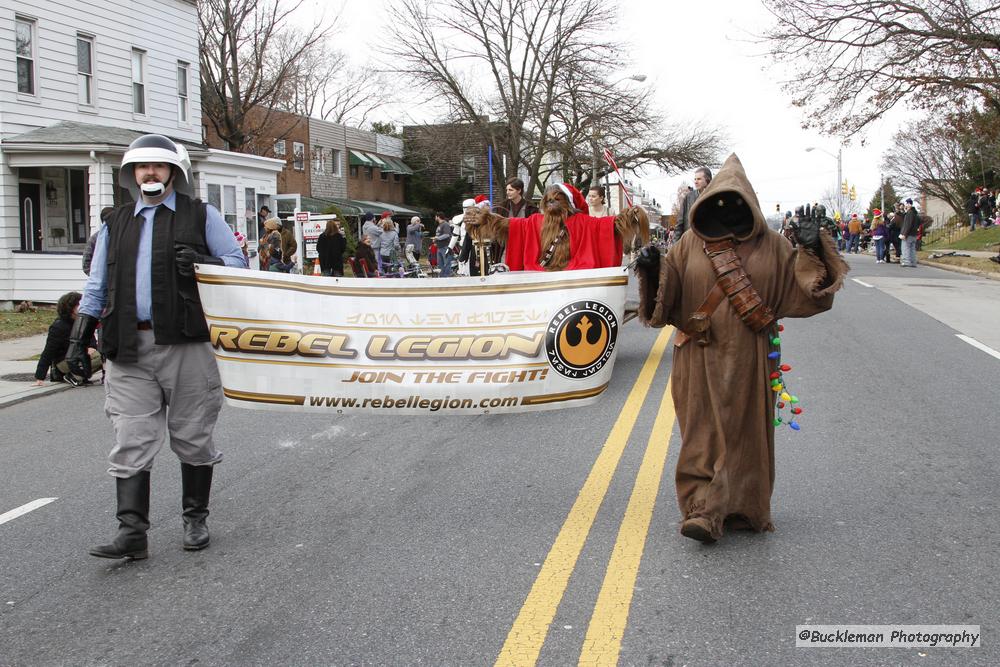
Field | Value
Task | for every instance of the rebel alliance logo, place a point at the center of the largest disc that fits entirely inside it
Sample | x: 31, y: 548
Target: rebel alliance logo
x: 580, y: 338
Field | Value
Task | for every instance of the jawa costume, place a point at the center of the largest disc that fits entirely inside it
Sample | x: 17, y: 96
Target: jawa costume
x: 563, y: 236
x: 721, y: 370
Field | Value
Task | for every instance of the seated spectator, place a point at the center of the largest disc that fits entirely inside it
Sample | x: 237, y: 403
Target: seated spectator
x: 365, y: 259
x: 57, y: 343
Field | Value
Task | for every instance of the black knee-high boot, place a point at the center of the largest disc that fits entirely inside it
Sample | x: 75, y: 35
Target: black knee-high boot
x: 197, y: 484
x: 133, y: 520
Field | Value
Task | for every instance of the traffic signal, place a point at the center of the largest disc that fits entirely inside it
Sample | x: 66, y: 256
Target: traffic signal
x: 843, y: 188
x: 854, y: 194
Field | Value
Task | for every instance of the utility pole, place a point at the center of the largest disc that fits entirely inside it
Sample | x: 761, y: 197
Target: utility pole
x: 881, y: 187
x: 840, y: 177
x: 593, y: 166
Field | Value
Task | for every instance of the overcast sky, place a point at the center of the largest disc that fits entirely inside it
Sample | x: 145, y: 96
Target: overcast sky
x: 701, y: 60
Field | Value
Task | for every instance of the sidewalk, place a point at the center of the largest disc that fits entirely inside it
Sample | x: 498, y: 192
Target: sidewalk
x: 15, y: 359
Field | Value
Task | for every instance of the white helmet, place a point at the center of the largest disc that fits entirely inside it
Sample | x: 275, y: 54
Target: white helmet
x: 156, y: 148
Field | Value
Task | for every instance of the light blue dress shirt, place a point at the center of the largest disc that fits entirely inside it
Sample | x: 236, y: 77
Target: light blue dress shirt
x: 221, y: 244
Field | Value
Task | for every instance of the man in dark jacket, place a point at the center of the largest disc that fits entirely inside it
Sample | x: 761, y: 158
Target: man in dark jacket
x: 972, y: 208
x: 908, y: 234
x: 702, y: 177
x: 57, y: 342
x: 162, y: 379
x: 516, y: 206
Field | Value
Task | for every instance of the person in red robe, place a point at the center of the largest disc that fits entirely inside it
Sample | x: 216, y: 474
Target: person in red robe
x: 563, y: 236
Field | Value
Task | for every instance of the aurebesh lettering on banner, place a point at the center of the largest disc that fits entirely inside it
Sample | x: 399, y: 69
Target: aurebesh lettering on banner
x: 506, y: 343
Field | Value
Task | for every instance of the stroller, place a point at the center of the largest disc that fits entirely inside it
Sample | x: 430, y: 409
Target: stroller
x: 866, y: 241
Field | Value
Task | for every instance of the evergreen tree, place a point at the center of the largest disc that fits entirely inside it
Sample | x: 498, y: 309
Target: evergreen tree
x: 890, y: 198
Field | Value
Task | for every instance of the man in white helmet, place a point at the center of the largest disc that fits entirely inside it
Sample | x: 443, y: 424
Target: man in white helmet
x: 161, y: 375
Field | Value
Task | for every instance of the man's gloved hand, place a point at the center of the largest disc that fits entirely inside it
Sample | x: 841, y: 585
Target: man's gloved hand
x: 808, y: 233
x: 185, y: 257
x: 80, y: 338
x: 648, y: 258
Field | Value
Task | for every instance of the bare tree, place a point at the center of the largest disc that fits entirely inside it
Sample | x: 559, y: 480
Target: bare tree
x: 250, y: 54
x: 325, y: 85
x: 591, y: 113
x: 503, y: 67
x: 854, y: 60
x: 932, y: 158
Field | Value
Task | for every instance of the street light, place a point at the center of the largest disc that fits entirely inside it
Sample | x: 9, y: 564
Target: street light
x: 594, y: 134
x: 839, y: 157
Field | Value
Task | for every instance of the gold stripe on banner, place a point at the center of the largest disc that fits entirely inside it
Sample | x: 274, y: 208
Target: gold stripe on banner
x: 361, y: 367
x: 263, y: 398
x: 351, y: 327
x: 525, y: 639
x: 567, y: 396
x: 470, y: 290
x: 603, y: 643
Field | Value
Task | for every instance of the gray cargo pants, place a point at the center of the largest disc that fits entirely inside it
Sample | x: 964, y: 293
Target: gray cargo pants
x: 172, y: 388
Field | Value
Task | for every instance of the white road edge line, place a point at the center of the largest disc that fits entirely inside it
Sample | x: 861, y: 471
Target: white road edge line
x: 24, y: 509
x: 862, y: 283
x: 975, y: 343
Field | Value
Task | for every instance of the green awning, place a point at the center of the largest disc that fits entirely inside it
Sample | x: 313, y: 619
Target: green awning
x: 397, y: 166
x: 390, y: 166
x: 319, y: 205
x: 402, y: 167
x: 359, y: 159
x: 377, y: 161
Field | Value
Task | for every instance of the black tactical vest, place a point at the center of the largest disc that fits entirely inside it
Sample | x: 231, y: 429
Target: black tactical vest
x: 177, y: 314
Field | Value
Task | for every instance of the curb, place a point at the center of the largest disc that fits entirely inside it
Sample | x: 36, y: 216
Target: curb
x: 29, y: 396
x: 961, y: 269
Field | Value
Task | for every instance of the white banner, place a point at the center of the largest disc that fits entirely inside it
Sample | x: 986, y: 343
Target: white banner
x: 505, y: 343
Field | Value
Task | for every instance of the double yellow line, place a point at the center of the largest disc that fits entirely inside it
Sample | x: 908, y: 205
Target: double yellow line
x: 607, y: 623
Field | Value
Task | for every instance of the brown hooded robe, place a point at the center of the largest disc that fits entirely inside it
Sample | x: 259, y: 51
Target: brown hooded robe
x: 721, y: 392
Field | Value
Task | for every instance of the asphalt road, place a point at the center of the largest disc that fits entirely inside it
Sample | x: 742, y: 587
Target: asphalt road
x: 477, y: 540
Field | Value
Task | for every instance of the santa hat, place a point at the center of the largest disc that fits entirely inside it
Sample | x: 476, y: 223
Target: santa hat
x: 877, y: 212
x: 468, y: 203
x: 482, y: 201
x: 854, y: 216
x: 386, y: 214
x: 576, y: 200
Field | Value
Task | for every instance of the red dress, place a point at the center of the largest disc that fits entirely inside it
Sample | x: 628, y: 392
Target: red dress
x: 593, y: 243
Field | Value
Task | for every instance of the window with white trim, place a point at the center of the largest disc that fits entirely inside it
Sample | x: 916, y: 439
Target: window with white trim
x: 85, y: 69
x: 298, y: 156
x: 24, y: 39
x: 139, y: 82
x: 335, y: 162
x: 250, y: 213
x: 467, y: 170
x: 229, y: 201
x: 183, y: 109
x: 319, y: 159
x: 279, y: 147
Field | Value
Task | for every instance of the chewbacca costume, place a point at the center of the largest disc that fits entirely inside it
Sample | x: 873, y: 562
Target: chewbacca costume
x: 720, y: 378
x: 576, y: 239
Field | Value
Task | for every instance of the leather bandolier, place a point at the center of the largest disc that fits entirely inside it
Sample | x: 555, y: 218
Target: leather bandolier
x: 732, y: 283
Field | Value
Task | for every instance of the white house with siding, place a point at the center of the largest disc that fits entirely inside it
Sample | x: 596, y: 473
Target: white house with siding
x: 79, y: 81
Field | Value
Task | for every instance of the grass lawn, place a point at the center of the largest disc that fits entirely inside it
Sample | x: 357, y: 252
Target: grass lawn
x: 19, y: 325
x: 981, y: 239
x: 978, y: 263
